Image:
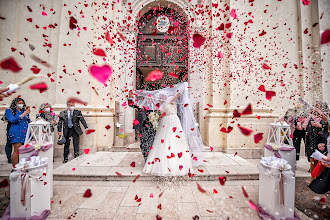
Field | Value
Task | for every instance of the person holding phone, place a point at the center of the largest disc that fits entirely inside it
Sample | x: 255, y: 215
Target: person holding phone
x: 18, y: 116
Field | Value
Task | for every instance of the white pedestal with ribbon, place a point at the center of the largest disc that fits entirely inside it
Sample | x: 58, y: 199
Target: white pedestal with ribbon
x: 39, y: 142
x: 286, y: 152
x: 44, y: 151
x: 29, y: 192
x: 276, y: 188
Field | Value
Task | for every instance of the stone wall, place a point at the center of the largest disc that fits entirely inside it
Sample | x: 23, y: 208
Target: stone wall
x: 225, y: 72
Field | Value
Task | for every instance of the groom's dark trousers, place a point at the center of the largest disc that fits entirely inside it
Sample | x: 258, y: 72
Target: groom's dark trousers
x: 144, y: 127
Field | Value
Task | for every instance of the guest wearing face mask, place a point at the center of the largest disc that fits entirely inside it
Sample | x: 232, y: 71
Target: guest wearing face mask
x: 18, y: 116
x: 69, y: 121
x: 46, y: 112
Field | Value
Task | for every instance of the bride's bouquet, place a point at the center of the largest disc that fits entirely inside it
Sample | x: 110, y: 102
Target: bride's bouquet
x: 153, y: 118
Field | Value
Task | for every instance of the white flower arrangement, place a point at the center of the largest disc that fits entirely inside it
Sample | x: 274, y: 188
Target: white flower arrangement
x: 153, y: 118
x: 37, y: 146
x: 275, y: 147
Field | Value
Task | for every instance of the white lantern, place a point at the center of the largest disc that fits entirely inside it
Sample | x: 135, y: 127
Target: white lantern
x: 39, y: 132
x: 278, y: 133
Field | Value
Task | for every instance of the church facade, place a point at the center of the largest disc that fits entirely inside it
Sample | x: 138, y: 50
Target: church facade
x: 232, y: 53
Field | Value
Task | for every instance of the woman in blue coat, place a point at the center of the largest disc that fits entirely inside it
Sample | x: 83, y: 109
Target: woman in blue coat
x: 18, y: 116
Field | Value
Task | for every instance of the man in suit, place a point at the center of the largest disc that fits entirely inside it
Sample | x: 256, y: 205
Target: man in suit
x: 144, y: 127
x: 69, y: 119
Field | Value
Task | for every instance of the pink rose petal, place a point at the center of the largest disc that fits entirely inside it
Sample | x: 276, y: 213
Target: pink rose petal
x: 101, y: 73
x: 39, y: 86
x: 154, y: 76
x: 233, y: 13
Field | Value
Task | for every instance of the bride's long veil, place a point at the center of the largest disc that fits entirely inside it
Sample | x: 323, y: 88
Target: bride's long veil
x: 154, y: 100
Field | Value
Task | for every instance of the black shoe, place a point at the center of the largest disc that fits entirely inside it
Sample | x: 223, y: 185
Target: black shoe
x: 9, y: 161
x: 77, y: 155
x: 65, y: 160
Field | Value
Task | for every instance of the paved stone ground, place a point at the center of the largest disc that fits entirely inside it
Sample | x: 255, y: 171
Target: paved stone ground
x: 116, y: 199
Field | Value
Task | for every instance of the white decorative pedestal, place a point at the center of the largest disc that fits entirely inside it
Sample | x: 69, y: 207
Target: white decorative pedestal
x: 39, y: 135
x: 270, y: 198
x: 37, y: 195
x: 288, y: 155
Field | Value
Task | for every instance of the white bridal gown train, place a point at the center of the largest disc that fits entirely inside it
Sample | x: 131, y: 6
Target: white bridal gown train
x: 170, y: 154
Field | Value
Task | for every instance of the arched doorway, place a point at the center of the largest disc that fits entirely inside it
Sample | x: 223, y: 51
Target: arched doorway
x: 162, y: 44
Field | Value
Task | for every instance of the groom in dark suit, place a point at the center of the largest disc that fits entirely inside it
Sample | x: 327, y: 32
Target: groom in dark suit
x: 69, y: 120
x: 144, y: 127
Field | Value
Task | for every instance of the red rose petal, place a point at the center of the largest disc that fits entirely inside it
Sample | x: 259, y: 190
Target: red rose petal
x: 99, y: 52
x: 133, y: 164
x: 244, y: 130
x: 76, y: 100
x: 89, y: 131
x: 10, y: 64
x: 101, y: 73
x: 215, y: 191
x: 200, y: 188
x: 180, y: 154
x: 86, y: 151
x: 35, y: 69
x: 325, y: 37
x: 258, y: 137
x: 72, y: 23
x: 154, y: 75
x: 245, y: 193
x: 266, y: 67
x: 270, y: 94
x: 322, y: 201
x: 88, y: 193
x: 159, y: 207
x: 40, y: 86
x: 174, y: 129
x: 247, y: 110
x: 107, y: 127
x: 137, y: 177
x: 135, y: 122
x: 108, y: 38
x: 228, y: 130
x: 306, y: 2
x: 222, y: 180
x: 236, y: 114
x: 198, y: 40
x: 119, y: 174
x: 262, y: 88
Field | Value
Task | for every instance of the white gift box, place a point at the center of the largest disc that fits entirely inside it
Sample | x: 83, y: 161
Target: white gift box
x: 289, y: 156
x: 269, y: 191
x: 37, y: 196
x: 49, y: 154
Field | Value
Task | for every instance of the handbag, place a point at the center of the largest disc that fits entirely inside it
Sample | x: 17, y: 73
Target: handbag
x: 61, y: 140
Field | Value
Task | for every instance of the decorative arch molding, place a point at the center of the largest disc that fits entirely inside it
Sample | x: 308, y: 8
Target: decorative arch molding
x: 138, y: 5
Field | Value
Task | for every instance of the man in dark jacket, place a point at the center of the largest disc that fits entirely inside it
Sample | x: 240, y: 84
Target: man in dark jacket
x: 69, y: 121
x: 144, y: 127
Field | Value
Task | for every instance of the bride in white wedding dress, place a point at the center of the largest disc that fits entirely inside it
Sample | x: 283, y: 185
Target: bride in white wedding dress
x: 170, y: 155
x: 178, y: 146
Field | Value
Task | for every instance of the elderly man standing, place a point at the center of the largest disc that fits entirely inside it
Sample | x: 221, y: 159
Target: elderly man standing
x: 69, y: 121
